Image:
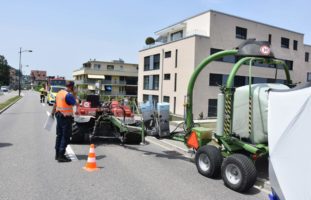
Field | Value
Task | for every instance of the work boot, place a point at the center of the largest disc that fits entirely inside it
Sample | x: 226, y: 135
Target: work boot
x: 63, y: 158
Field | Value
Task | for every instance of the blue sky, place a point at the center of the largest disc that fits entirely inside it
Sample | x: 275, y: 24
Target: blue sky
x: 64, y: 34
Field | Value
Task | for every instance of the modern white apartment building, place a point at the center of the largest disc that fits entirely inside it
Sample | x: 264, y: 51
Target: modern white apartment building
x: 115, y: 78
x: 165, y: 67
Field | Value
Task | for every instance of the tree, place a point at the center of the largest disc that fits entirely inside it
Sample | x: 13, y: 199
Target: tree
x: 4, y: 71
x: 149, y: 40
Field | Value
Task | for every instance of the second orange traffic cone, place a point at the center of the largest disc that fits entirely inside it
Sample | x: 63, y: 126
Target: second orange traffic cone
x: 91, y: 160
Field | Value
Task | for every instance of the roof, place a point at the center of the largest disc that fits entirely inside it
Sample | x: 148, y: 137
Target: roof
x: 214, y: 11
x: 38, y: 75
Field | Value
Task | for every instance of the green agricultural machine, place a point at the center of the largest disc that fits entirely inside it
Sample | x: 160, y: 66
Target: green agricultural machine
x: 241, y: 136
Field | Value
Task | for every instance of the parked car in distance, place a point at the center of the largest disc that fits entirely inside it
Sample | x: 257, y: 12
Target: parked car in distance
x: 5, y: 88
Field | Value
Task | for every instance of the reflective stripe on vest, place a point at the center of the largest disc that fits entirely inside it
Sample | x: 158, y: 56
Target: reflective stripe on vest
x: 61, y: 104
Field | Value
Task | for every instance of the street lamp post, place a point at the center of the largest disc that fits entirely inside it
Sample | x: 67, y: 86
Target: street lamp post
x: 20, y: 69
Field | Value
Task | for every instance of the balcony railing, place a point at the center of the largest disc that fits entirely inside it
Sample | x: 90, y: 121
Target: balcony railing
x: 104, y: 82
x: 185, y: 35
x: 102, y: 71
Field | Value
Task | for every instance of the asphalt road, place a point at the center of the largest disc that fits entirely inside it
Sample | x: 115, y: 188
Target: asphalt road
x: 28, y: 170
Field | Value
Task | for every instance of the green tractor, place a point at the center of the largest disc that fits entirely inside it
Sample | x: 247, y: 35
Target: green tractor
x: 241, y: 136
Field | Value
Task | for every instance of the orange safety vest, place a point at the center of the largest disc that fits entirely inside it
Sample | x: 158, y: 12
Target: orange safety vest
x: 61, y: 105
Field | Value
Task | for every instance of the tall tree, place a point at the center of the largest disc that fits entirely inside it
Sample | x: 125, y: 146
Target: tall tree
x: 4, y: 71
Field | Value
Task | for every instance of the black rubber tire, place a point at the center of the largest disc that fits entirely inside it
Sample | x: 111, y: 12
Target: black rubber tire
x: 215, y: 159
x: 87, y: 138
x: 247, y: 169
x: 132, y: 138
x: 80, y: 134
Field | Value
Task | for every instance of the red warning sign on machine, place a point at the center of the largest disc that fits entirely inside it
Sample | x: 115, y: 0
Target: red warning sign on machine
x: 265, y: 50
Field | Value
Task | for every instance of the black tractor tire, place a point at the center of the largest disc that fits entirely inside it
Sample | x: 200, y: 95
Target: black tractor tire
x: 80, y: 133
x: 238, y: 172
x: 208, y: 161
x: 132, y: 138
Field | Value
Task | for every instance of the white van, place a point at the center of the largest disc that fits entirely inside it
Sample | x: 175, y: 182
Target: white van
x: 5, y: 88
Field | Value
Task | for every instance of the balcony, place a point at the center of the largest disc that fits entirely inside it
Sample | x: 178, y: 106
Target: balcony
x: 164, y: 38
x: 123, y: 72
x: 105, y: 82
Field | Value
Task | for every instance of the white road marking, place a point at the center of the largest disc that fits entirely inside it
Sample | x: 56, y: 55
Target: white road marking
x: 48, y: 113
x: 43, y: 104
x: 71, y: 153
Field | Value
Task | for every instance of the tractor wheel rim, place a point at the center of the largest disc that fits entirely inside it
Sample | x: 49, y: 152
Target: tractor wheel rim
x: 204, y: 162
x: 233, y: 174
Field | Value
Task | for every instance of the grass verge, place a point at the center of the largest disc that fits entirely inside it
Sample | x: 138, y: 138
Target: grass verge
x: 9, y: 102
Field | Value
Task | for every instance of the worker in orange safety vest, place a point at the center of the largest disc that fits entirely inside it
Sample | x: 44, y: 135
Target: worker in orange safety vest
x: 63, y: 111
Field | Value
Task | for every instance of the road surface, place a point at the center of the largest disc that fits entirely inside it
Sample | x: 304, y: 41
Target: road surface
x: 28, y: 170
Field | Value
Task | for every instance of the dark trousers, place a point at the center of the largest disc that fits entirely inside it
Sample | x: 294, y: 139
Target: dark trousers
x: 63, y: 132
x: 42, y: 98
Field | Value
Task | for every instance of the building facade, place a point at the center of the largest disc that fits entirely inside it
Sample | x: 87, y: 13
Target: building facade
x: 115, y: 78
x: 165, y: 67
x: 14, y: 78
x: 38, y: 77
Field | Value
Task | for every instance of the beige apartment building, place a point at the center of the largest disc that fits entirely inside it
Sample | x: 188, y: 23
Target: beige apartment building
x: 165, y: 67
x: 115, y: 78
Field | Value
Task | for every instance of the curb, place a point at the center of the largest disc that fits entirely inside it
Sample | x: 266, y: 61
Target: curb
x: 261, y: 184
x: 11, y: 104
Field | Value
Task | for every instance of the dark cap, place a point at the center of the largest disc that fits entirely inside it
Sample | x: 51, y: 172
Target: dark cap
x: 70, y: 84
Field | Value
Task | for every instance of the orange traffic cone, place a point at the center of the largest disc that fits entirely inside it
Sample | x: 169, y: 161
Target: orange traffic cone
x: 91, y: 160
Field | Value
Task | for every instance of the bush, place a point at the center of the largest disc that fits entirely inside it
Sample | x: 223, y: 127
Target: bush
x: 149, y: 40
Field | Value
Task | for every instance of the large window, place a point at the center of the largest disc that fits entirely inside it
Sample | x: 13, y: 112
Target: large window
x: 295, y: 45
x: 307, y: 56
x: 240, y: 33
x: 146, y: 63
x: 177, y: 35
x: 229, y: 59
x: 221, y: 79
x: 97, y: 66
x: 155, y: 99
x: 167, y: 76
x: 156, y: 61
x: 155, y: 85
x: 290, y: 64
x: 146, y: 82
x: 217, y: 79
x: 155, y: 64
x: 145, y: 98
x: 130, y: 80
x: 309, y: 76
x: 151, y: 82
x: 284, y: 42
x: 212, y: 108
x: 110, y: 67
x: 260, y: 80
x: 166, y: 99
x: 239, y: 81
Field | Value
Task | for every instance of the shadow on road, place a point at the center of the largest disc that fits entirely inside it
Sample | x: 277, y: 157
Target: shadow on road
x: 252, y: 191
x: 5, y: 144
x: 166, y: 154
x: 84, y: 157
